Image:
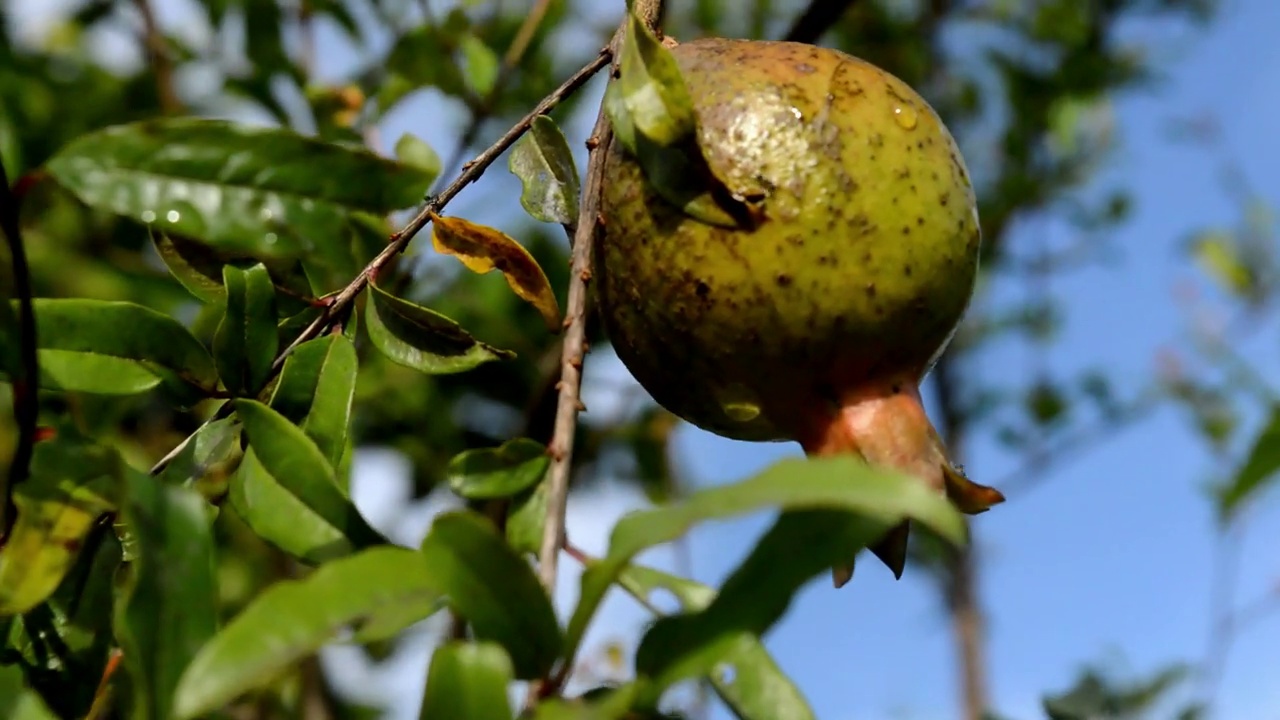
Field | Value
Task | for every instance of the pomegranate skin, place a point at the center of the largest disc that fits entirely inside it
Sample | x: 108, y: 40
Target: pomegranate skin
x: 858, y: 274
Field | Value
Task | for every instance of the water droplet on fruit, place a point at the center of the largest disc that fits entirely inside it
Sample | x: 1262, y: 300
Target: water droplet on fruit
x: 739, y: 404
x: 906, y: 116
x: 148, y: 216
x: 172, y: 216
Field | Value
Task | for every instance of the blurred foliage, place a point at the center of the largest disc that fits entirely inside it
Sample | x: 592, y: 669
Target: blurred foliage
x: 1027, y: 86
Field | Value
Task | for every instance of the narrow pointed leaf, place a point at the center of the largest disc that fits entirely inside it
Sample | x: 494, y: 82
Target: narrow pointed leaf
x: 422, y: 339
x: 480, y: 65
x: 468, y: 680
x: 284, y: 453
x: 495, y: 589
x: 844, y: 483
x: 269, y: 192
x: 283, y: 519
x: 543, y: 162
x: 113, y: 347
x: 801, y: 545
x: 1260, y: 467
x: 294, y: 618
x: 677, y: 173
x: 207, y: 462
x: 482, y: 248
x: 170, y: 606
x: 18, y: 702
x: 316, y: 389
x: 488, y: 473
x: 246, y: 341
x: 71, y: 484
x: 69, y: 636
x: 413, y: 150
x: 746, y: 677
x: 653, y: 88
x: 527, y: 520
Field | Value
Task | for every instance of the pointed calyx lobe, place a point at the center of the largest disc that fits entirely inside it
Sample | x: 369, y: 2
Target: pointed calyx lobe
x: 884, y: 422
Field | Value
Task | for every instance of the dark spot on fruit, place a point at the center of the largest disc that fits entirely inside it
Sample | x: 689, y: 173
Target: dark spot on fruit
x: 920, y: 220
x: 703, y: 289
x: 906, y: 270
x: 783, y: 279
x: 871, y: 290
x: 906, y: 229
x: 945, y: 199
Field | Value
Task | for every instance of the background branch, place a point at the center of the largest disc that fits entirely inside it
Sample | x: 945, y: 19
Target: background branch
x: 816, y: 19
x: 26, y: 406
x: 158, y: 58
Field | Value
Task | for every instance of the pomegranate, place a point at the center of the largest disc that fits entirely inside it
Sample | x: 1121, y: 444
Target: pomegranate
x: 817, y: 322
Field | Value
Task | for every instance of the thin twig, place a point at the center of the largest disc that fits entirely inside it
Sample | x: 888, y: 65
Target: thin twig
x: 817, y: 19
x: 26, y: 405
x: 399, y: 240
x: 159, y: 58
x: 570, y: 402
x: 510, y: 60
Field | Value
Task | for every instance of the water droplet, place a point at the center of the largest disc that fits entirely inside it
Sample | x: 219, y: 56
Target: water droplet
x: 796, y: 111
x: 172, y: 216
x: 741, y: 411
x: 148, y: 216
x: 739, y: 403
x: 266, y: 214
x: 906, y: 116
x: 270, y: 238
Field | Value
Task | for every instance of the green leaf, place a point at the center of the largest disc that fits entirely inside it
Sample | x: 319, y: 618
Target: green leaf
x: 17, y: 702
x: 268, y: 192
x: 654, y: 91
x: 170, y: 601
x: 314, y: 518
x: 542, y: 160
x: 245, y: 343
x: 72, y: 483
x: 603, y: 704
x: 208, y: 460
x: 527, y: 519
x: 1259, y: 468
x: 316, y: 390
x: 488, y: 473
x: 494, y: 588
x: 800, y: 545
x: 414, y: 151
x: 677, y: 173
x: 114, y: 348
x: 421, y: 58
x: 198, y: 268
x: 746, y: 678
x: 422, y: 339
x: 468, y: 680
x: 294, y: 618
x: 69, y: 637
x: 842, y: 483
x: 480, y: 65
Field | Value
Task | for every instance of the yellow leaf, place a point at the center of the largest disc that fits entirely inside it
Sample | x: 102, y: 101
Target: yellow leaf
x: 483, y: 248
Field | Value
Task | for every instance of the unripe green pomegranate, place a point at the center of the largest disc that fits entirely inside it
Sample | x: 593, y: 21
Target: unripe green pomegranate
x: 817, y: 323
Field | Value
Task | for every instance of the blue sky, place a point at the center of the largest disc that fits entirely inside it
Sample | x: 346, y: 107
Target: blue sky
x: 1108, y: 559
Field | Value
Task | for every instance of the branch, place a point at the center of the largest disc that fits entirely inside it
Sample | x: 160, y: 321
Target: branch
x: 339, y: 303
x: 26, y: 406
x: 159, y: 59
x: 817, y: 19
x: 570, y: 403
